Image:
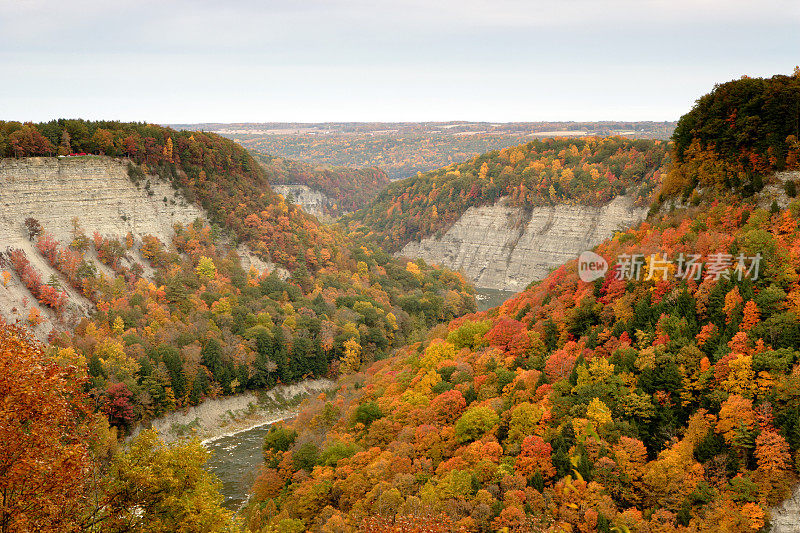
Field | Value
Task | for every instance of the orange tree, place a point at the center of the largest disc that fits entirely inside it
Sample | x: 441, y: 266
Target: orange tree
x: 44, y: 438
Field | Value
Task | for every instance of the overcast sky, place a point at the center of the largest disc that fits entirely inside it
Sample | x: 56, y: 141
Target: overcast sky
x: 171, y: 61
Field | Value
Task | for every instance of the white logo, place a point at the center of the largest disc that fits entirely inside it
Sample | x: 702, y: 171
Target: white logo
x: 591, y: 266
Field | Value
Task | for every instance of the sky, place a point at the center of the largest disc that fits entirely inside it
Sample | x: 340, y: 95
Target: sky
x: 189, y: 61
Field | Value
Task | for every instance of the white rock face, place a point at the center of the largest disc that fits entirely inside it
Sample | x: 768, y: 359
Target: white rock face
x: 786, y: 517
x: 502, y: 247
x: 310, y: 200
x: 98, y: 192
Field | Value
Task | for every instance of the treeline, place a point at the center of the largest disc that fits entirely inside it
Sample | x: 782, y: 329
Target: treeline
x: 348, y: 188
x: 400, y: 155
x: 543, y: 172
x: 210, y: 170
x: 406, y: 148
x: 736, y: 135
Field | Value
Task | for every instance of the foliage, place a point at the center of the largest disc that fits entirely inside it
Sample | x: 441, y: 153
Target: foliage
x: 735, y: 135
x: 45, y: 439
x: 348, y: 188
x: 543, y: 172
x: 672, y: 407
x: 160, y: 489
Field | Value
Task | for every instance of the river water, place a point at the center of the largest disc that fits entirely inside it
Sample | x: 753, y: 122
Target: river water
x: 488, y: 298
x: 235, y: 460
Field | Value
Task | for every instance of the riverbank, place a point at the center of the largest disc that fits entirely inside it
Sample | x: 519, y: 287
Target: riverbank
x: 220, y: 417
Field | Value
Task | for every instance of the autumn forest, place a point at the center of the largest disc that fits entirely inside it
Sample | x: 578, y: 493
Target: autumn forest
x: 653, y: 398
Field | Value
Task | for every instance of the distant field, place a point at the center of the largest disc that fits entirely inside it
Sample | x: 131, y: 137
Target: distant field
x: 403, y: 149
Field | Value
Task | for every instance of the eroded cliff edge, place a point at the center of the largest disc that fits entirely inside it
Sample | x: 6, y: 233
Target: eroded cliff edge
x: 312, y: 201
x: 97, y: 193
x: 504, y: 247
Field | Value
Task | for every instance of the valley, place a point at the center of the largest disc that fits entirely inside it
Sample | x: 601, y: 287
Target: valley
x: 251, y: 342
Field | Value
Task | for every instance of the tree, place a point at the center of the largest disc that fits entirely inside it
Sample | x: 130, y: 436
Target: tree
x: 28, y: 141
x: 118, y: 405
x: 34, y: 228
x: 206, y: 270
x: 157, y: 488
x: 534, y: 457
x: 44, y: 439
x: 774, y: 463
x: 476, y: 422
x: 751, y: 316
x: 351, y: 360
x: 791, y: 188
x: 65, y: 148
x: 448, y: 406
x: 737, y: 422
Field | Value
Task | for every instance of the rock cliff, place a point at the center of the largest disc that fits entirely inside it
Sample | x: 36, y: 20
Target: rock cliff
x: 96, y: 190
x: 505, y: 247
x: 311, y: 200
x: 99, y: 194
x: 786, y: 516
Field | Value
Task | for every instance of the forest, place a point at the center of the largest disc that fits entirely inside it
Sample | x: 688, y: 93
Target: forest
x: 663, y: 396
x: 349, y: 188
x: 403, y: 149
x: 665, y: 401
x: 187, y: 324
x: 590, y: 171
x: 739, y: 133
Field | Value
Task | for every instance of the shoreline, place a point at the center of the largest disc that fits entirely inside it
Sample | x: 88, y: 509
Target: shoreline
x: 216, y: 418
x: 260, y: 423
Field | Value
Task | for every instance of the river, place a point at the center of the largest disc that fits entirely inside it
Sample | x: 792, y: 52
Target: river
x: 235, y: 460
x: 236, y: 456
x: 488, y: 298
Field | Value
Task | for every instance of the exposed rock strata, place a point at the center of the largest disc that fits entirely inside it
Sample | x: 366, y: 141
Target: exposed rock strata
x: 786, y: 516
x: 504, y: 247
x: 99, y: 194
x: 96, y: 190
x: 310, y: 200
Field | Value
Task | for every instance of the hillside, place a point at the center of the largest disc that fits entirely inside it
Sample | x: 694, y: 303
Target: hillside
x: 71, y: 195
x: 508, y: 218
x: 589, y: 171
x: 736, y: 135
x: 662, y: 396
x: 403, y: 149
x: 183, y: 302
x: 343, y: 189
x: 505, y: 247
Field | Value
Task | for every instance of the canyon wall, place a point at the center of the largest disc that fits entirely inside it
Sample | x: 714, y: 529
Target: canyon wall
x: 97, y: 193
x: 96, y: 190
x: 786, y: 516
x: 504, y: 247
x: 310, y: 200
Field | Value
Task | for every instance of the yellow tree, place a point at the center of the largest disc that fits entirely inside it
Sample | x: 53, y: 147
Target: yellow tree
x: 155, y: 488
x: 351, y: 360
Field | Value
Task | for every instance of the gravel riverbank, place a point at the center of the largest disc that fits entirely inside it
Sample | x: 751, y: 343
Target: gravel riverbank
x: 216, y: 418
